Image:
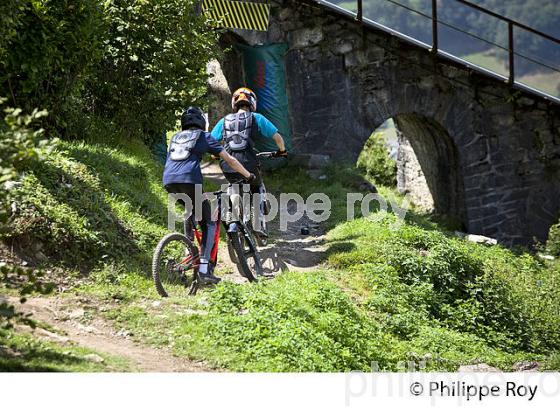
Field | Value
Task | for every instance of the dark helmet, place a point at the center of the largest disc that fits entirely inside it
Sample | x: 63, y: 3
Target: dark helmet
x: 193, y: 117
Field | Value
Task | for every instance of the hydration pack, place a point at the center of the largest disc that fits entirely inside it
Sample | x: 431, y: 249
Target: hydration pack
x: 238, y: 130
x: 182, y: 144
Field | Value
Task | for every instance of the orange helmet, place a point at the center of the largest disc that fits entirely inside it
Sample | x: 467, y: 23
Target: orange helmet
x: 244, y: 95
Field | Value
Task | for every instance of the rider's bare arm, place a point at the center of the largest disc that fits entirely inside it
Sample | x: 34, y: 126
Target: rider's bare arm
x: 279, y: 141
x: 234, y: 164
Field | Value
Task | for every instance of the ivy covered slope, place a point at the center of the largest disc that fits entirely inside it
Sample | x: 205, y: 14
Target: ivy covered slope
x: 85, y: 203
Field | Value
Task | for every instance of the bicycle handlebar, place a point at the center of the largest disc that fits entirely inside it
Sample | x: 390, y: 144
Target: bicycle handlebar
x: 270, y: 154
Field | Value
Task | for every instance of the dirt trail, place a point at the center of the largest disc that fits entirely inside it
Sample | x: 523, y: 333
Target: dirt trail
x: 72, y: 321
x: 287, y: 250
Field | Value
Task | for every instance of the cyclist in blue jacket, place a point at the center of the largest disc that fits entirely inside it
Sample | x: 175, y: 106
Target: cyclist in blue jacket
x: 182, y: 173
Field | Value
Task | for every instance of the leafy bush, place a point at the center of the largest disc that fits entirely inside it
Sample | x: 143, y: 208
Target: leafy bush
x: 131, y: 64
x: 375, y: 162
x: 154, y: 63
x: 509, y: 301
x: 10, y: 14
x: 53, y: 46
x: 20, y: 143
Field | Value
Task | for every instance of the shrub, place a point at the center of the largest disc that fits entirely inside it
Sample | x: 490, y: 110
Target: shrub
x: 53, y: 45
x: 509, y: 301
x: 10, y: 15
x: 154, y: 63
x: 553, y: 243
x: 376, y: 163
x: 20, y: 143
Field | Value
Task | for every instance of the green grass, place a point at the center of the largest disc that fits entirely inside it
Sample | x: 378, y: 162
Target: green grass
x: 21, y: 352
x: 386, y: 296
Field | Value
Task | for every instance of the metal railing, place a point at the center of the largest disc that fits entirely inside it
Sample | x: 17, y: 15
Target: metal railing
x: 437, y: 23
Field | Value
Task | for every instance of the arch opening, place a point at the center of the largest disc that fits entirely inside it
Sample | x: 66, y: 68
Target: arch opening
x: 426, y: 163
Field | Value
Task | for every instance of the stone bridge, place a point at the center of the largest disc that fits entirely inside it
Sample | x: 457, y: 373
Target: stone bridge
x: 489, y: 154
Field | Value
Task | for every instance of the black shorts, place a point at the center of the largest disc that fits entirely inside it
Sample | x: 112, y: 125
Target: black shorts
x: 190, y: 191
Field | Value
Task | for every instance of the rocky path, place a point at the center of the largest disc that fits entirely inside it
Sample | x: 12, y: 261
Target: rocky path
x: 70, y: 321
x: 288, y: 249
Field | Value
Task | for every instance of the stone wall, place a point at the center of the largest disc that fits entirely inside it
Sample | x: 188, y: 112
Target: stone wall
x: 490, y: 154
x: 410, y: 178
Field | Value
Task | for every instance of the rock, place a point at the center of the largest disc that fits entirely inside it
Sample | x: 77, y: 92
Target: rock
x: 9, y: 185
x: 525, y: 101
x: 354, y: 58
x: 481, y: 239
x: 285, y: 14
x: 526, y: 366
x: 6, y: 351
x: 306, y: 37
x: 76, y: 314
x: 94, y: 358
x: 316, y: 174
x: 156, y: 303
x: 475, y: 368
x: 53, y: 336
x: 41, y: 257
x: 342, y: 47
x: 124, y: 333
x: 310, y: 161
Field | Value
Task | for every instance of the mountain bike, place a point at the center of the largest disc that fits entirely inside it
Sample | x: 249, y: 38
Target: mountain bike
x: 264, y: 208
x: 176, y: 257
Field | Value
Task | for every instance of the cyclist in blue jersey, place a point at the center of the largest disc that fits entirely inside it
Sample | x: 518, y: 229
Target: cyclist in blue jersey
x: 238, y: 132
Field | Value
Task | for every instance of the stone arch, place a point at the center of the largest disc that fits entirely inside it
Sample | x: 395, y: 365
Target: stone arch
x: 429, y: 166
x: 501, y: 145
x: 439, y: 160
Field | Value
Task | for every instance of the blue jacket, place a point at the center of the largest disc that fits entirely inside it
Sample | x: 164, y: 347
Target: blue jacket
x: 188, y: 171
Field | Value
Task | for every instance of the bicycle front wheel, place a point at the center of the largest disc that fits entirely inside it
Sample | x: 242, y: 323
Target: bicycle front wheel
x: 174, y: 258
x: 247, y: 258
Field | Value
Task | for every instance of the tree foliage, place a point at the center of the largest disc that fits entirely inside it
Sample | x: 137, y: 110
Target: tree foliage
x: 129, y: 63
x: 154, y: 63
x: 53, y: 45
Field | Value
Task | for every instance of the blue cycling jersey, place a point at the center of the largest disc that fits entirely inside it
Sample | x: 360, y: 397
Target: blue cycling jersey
x: 266, y: 128
x: 188, y: 171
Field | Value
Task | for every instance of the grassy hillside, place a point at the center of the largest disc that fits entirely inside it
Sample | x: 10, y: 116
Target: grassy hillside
x: 384, y: 295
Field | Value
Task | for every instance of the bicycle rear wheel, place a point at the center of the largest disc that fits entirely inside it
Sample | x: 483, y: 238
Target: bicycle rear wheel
x: 248, y: 259
x: 174, y: 257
